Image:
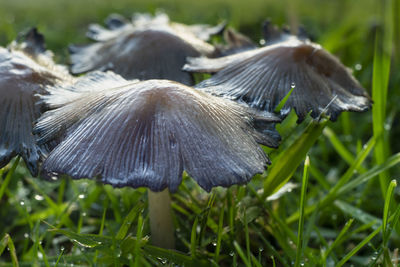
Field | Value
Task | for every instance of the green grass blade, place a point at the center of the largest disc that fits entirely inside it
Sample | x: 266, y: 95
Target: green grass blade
x: 136, y: 252
x: 205, y: 218
x: 337, y: 240
x: 193, y: 238
x: 241, y: 254
x: 373, y: 172
x: 286, y: 163
x: 360, y: 245
x: 219, y: 233
x: 380, y: 80
x: 385, y: 225
x: 255, y: 261
x: 283, y: 101
x: 46, y: 262
x: 9, y: 175
x: 386, y: 209
x: 340, y: 147
x: 127, y: 223
x: 6, y: 240
x: 59, y: 257
x: 395, y: 218
x: 246, y: 233
x: 3, y: 243
x: 359, y: 214
x: 336, y: 190
x: 300, y: 245
x: 175, y: 256
x: 86, y: 240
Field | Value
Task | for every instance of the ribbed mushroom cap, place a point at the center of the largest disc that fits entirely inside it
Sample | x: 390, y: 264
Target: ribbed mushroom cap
x: 24, y: 69
x: 147, y: 133
x: 263, y: 77
x: 146, y: 48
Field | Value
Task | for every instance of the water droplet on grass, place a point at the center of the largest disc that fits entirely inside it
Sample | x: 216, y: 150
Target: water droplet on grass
x: 39, y: 197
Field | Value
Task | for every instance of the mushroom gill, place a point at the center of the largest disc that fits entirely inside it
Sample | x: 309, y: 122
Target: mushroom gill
x: 25, y: 67
x: 146, y: 48
x: 262, y: 77
x: 146, y: 133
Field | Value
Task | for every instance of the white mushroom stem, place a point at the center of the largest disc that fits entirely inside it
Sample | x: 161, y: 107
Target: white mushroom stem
x: 161, y: 224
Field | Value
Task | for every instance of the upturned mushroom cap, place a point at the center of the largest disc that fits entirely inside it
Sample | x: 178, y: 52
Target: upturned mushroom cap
x: 24, y: 69
x: 146, y: 48
x: 264, y: 76
x: 147, y: 133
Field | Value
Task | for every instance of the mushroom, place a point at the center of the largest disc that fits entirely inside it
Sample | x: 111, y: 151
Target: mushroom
x: 146, y: 48
x: 235, y: 42
x: 262, y: 77
x: 146, y: 133
x: 25, y: 67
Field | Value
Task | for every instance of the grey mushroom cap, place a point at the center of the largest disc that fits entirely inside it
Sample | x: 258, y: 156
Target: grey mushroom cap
x: 262, y: 77
x: 146, y: 48
x: 146, y: 133
x: 25, y: 67
x: 235, y: 42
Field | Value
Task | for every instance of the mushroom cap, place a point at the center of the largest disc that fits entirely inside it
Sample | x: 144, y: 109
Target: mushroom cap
x: 146, y: 133
x: 146, y: 48
x: 24, y: 69
x: 235, y: 42
x: 264, y: 76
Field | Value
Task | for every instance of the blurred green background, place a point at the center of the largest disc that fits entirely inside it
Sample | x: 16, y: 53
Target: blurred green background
x: 346, y: 28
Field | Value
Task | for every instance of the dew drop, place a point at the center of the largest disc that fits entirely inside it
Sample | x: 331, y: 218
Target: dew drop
x: 162, y: 260
x: 293, y: 85
x: 262, y: 42
x: 26, y: 235
x: 358, y: 66
x: 231, y: 253
x: 53, y: 176
x: 81, y: 196
x: 22, y: 203
x: 214, y: 244
x: 39, y: 197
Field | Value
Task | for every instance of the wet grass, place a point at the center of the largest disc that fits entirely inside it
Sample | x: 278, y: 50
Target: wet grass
x: 341, y: 209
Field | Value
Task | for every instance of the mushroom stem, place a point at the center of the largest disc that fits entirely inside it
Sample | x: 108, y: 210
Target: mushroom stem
x: 161, y: 224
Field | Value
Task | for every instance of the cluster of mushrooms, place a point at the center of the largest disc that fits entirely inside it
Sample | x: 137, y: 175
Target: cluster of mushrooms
x: 137, y: 118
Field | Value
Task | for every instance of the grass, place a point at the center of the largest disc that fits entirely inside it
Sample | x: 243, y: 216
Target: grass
x: 342, y: 210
